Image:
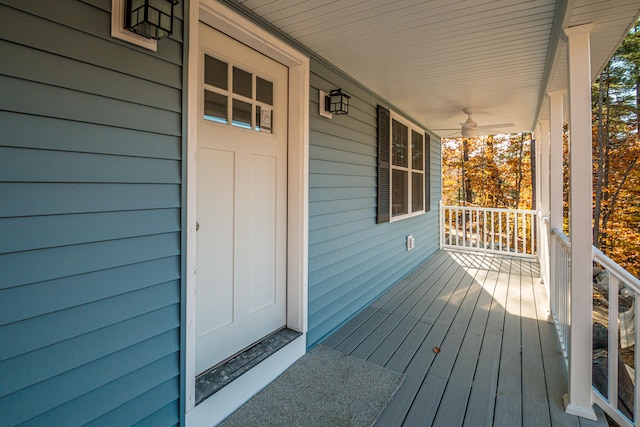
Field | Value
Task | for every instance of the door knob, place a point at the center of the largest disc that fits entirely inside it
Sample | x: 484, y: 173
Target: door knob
x: 197, y: 226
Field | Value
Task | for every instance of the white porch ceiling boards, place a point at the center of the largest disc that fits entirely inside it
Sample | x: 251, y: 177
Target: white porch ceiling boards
x: 434, y: 58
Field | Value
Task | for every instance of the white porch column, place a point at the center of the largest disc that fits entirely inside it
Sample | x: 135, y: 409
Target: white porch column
x: 556, y: 184
x: 543, y: 197
x: 556, y: 122
x: 579, y: 401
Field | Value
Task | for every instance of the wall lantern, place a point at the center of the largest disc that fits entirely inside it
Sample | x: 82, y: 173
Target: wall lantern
x: 152, y: 19
x: 337, y: 102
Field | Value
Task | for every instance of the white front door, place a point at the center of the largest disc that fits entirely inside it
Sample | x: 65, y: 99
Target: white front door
x: 241, y: 198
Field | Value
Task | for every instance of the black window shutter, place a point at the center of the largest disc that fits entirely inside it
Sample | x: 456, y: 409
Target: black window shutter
x: 427, y: 172
x: 384, y: 151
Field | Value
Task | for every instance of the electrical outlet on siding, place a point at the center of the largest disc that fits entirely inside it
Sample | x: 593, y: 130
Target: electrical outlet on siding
x: 411, y: 242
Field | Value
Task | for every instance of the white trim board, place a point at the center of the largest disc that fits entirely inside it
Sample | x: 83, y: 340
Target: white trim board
x: 238, y: 27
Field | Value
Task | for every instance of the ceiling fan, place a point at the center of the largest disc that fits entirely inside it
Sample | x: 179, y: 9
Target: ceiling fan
x: 470, y: 129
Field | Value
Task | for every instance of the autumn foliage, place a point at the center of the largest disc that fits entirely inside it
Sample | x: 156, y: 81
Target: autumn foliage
x: 491, y: 171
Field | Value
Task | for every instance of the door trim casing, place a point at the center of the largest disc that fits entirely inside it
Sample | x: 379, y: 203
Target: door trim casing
x: 222, y: 18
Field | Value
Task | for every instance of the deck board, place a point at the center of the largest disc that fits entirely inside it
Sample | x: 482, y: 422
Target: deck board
x: 535, y: 406
x: 508, y: 411
x: 498, y: 362
x: 481, y: 403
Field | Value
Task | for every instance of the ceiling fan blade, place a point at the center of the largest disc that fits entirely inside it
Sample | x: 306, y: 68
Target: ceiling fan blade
x: 458, y: 129
x: 497, y: 125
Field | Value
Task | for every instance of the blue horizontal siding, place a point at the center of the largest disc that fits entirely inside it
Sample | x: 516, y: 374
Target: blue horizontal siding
x: 21, y: 268
x: 28, y: 131
x: 31, y: 233
x: 130, y: 413
x: 96, y: 353
x: 64, y: 166
x: 107, y: 398
x: 32, y: 334
x: 36, y: 299
x: 26, y: 97
x: 30, y: 199
x: 44, y: 67
x: 90, y: 255
x: 352, y: 260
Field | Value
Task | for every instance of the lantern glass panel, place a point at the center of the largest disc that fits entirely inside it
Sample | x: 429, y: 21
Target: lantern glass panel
x: 338, y: 102
x: 150, y: 18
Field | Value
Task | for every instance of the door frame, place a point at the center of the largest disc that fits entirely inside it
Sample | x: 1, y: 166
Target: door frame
x: 222, y: 18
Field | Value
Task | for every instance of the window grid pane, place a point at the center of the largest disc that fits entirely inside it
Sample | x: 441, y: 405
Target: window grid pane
x: 417, y: 150
x: 241, y: 114
x: 417, y: 192
x: 215, y: 107
x: 400, y: 144
x: 215, y: 72
x: 399, y: 192
x: 242, y: 84
x: 264, y: 91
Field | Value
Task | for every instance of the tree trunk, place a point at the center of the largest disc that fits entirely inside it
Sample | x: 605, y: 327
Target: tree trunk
x: 468, y: 193
x: 600, y: 158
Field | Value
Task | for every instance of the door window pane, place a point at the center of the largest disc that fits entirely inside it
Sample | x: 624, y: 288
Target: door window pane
x: 417, y: 182
x: 215, y: 107
x: 399, y: 192
x: 241, y: 114
x: 264, y: 91
x: 400, y: 144
x: 417, y: 150
x: 215, y: 72
x: 242, y: 83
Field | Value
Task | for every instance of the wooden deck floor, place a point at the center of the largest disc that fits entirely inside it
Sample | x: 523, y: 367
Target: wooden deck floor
x: 496, y: 359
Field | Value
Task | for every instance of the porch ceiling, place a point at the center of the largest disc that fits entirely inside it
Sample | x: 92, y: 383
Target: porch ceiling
x: 433, y: 58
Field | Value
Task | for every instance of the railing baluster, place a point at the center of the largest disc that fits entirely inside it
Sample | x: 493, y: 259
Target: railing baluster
x: 464, y: 227
x: 500, y: 233
x: 457, y: 227
x: 493, y: 231
x: 537, y: 242
x: 450, y: 225
x: 612, y: 385
x: 508, y: 233
x: 484, y: 229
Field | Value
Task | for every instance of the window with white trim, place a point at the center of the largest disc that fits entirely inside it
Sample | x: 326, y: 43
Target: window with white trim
x: 403, y: 168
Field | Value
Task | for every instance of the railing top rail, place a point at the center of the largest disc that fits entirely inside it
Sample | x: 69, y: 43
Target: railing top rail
x: 616, y: 270
x: 562, y: 238
x: 477, y: 208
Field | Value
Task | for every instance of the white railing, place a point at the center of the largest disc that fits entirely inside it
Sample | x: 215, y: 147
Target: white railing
x: 504, y: 231
x: 619, y: 396
x: 561, y: 257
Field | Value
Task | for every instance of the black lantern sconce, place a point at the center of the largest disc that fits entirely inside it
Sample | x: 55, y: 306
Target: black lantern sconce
x: 152, y: 19
x: 337, y: 102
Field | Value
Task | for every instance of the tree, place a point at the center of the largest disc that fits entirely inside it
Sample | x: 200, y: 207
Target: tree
x: 616, y: 150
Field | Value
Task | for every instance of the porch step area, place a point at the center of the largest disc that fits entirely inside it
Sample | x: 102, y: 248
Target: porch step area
x: 473, y: 335
x: 211, y: 381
